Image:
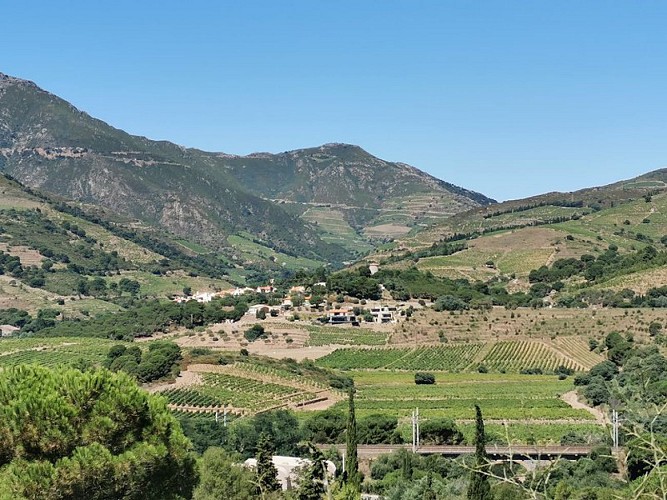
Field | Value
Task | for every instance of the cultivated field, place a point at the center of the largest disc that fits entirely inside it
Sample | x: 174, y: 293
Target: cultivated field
x: 54, y: 351
x: 525, y: 408
x: 245, y: 389
x: 249, y: 250
x: 501, y: 357
x: 498, y: 323
x: 335, y: 229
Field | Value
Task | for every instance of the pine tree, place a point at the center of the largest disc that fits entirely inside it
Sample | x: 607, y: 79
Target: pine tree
x: 479, y: 487
x: 351, y: 458
x: 266, y: 471
x: 94, y: 435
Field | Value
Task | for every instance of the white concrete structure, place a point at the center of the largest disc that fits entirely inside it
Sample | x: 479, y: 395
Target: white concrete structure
x: 8, y: 330
x: 289, y: 469
x: 384, y: 314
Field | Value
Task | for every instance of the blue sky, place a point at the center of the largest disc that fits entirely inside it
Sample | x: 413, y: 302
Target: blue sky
x: 507, y: 98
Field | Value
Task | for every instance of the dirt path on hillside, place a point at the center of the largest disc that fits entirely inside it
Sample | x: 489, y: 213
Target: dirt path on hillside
x: 185, y: 379
x: 551, y: 259
x: 572, y: 399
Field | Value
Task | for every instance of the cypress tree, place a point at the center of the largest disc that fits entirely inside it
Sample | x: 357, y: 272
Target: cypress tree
x: 479, y: 487
x: 429, y: 492
x: 311, y: 486
x: 266, y: 471
x: 351, y: 458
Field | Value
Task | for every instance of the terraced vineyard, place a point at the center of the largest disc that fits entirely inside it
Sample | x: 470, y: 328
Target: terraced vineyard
x: 190, y: 397
x: 52, y: 352
x: 505, y: 356
x: 348, y: 359
x: 326, y: 335
x: 443, y: 358
x: 244, y: 395
x: 577, y: 348
x: 514, y: 356
x: 279, y: 376
x: 523, y: 433
x: 453, y: 358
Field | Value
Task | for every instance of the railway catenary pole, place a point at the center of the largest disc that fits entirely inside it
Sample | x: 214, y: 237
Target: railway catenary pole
x: 414, y: 433
x: 417, y: 424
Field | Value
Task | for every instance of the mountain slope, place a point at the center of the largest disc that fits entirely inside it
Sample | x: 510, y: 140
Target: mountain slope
x: 510, y: 239
x: 47, y: 143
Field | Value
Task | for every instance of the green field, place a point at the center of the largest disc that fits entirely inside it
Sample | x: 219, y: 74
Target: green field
x: 527, y: 408
x: 326, y: 335
x: 53, y: 351
x: 335, y: 229
x: 250, y: 250
x: 507, y: 356
x: 173, y: 284
x: 517, y: 261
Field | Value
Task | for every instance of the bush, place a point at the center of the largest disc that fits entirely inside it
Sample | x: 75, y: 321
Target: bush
x: 531, y: 371
x: 449, y: 303
x: 341, y: 382
x: 326, y: 427
x: 378, y: 429
x: 564, y: 370
x: 254, y: 332
x: 422, y: 378
x: 605, y: 370
x: 596, y: 392
x: 439, y: 431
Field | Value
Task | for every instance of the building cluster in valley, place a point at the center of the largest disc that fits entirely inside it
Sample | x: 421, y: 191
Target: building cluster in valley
x: 373, y: 311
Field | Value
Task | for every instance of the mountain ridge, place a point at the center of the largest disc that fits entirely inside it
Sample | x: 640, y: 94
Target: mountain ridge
x: 49, y: 144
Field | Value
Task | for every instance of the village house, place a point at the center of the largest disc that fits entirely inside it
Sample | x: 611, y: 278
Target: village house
x: 255, y: 309
x: 201, y: 297
x: 341, y: 316
x: 384, y: 314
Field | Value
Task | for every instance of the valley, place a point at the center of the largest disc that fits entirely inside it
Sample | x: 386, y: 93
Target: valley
x: 267, y: 290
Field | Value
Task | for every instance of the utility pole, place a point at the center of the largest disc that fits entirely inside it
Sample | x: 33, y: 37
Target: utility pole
x: 615, y: 421
x: 414, y: 433
x: 615, y: 404
x: 415, y: 430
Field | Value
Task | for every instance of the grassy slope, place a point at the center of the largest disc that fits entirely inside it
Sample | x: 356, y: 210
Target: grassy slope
x: 19, y: 229
x: 518, y: 251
